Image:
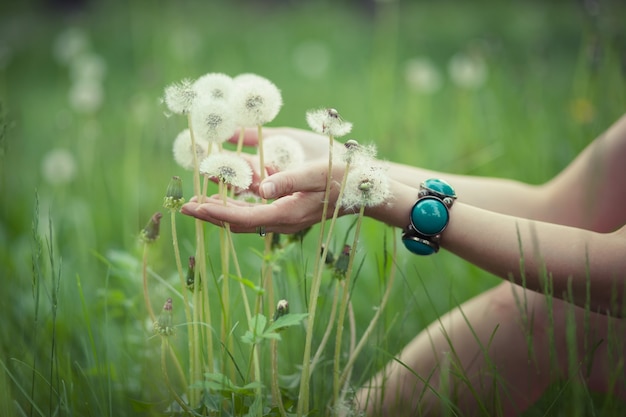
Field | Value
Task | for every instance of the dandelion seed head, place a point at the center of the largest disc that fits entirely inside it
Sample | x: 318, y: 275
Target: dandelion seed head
x: 69, y: 44
x: 422, y: 76
x: 328, y: 122
x: 58, y: 167
x: 366, y: 186
x: 355, y: 153
x: 88, y: 66
x: 282, y: 152
x: 256, y: 100
x: 212, y: 120
x: 468, y: 71
x: 86, y: 96
x: 180, y: 96
x: 229, y: 168
x: 215, y: 85
x: 183, y: 151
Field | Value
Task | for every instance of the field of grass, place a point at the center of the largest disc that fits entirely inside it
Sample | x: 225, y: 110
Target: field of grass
x: 84, y: 166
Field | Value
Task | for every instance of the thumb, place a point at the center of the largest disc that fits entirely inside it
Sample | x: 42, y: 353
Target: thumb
x: 311, y: 178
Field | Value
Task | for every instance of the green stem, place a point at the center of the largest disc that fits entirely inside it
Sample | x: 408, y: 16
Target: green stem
x: 343, y: 306
x: 372, y: 324
x: 144, y: 273
x: 329, y: 328
x: 183, y: 286
x: 165, y: 346
x: 303, y: 402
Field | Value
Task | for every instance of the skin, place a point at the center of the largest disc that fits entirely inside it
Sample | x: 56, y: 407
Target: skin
x: 571, y: 227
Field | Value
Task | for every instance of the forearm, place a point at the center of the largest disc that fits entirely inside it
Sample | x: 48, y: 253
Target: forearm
x: 495, y: 194
x: 527, y: 251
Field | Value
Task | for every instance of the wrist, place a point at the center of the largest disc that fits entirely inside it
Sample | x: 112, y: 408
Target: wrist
x: 429, y: 216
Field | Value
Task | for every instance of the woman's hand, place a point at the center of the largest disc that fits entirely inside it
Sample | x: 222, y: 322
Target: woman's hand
x: 298, y: 204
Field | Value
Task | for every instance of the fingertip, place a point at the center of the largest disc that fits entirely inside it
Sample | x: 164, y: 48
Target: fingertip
x: 267, y: 189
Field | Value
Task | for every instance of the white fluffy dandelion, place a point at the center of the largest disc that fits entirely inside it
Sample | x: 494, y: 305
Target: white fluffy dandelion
x: 256, y: 100
x: 86, y: 96
x: 215, y: 85
x: 328, y: 122
x: 58, y: 167
x: 228, y: 168
x: 282, y: 152
x: 468, y: 71
x: 355, y: 153
x: 180, y: 96
x: 183, y: 151
x: 212, y: 120
x: 422, y: 76
x: 366, y: 186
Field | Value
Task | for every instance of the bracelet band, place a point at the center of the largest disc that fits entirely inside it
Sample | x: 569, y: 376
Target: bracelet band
x: 429, y: 217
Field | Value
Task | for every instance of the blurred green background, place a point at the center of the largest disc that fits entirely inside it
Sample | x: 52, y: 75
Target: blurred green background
x: 513, y: 89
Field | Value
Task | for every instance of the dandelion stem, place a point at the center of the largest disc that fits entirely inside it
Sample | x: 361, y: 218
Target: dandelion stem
x: 144, y: 273
x: 165, y: 346
x: 183, y: 284
x: 200, y: 278
x: 343, y: 306
x: 329, y: 328
x: 372, y: 323
x: 303, y: 403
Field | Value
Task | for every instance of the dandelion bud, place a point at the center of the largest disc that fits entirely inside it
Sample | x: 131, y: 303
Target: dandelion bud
x: 341, y: 266
x: 328, y: 122
x: 163, y: 325
x: 282, y: 308
x: 150, y: 233
x: 174, y: 194
x: 330, y: 257
x: 191, y: 273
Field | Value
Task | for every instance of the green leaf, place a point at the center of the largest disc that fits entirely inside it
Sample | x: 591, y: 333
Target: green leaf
x: 249, y: 284
x: 287, y: 320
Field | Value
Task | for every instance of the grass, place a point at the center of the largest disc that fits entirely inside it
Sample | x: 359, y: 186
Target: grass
x: 75, y: 337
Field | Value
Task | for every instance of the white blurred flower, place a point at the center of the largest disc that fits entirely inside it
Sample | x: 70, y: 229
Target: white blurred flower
x: 183, y: 151
x: 282, y: 152
x: 88, y: 66
x: 366, y: 186
x: 86, y: 96
x: 229, y: 168
x: 328, y: 122
x: 212, y: 120
x: 179, y: 97
x: 422, y: 75
x: 311, y: 59
x: 468, y: 71
x: 256, y: 100
x: 69, y: 44
x: 58, y: 167
x: 216, y: 85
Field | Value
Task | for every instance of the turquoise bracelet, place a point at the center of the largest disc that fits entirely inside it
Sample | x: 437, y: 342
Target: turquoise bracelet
x: 429, y: 217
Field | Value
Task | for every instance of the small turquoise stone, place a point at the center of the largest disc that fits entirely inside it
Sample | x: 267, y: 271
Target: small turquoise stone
x: 439, y: 186
x: 429, y: 216
x: 418, y: 248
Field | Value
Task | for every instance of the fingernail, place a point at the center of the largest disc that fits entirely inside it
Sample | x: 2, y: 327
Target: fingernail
x: 268, y: 189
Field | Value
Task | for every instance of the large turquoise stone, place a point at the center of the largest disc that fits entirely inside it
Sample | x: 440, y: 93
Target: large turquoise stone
x: 417, y: 247
x: 439, y: 186
x: 429, y: 216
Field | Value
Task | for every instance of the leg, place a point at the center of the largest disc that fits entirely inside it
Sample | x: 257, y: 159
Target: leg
x: 494, y: 355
